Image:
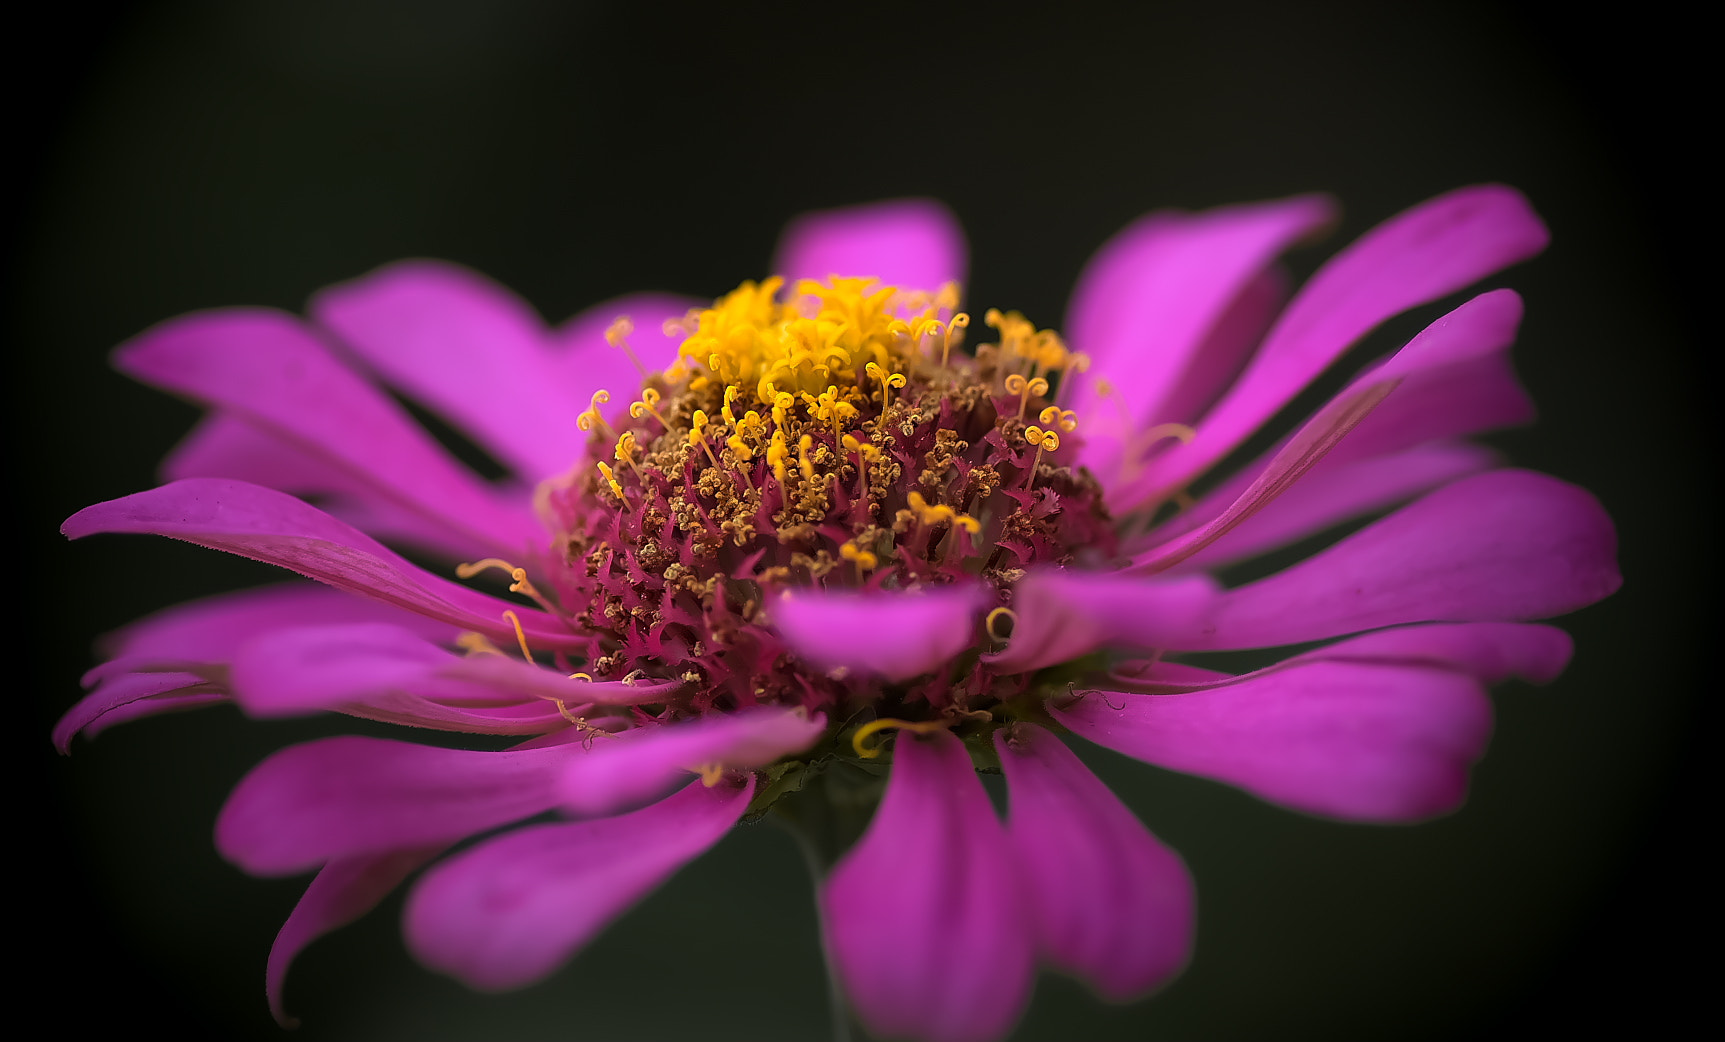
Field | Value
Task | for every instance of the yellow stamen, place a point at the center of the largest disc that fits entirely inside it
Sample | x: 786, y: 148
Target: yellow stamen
x: 591, y: 420
x: 711, y: 773
x: 646, y: 406
x: 864, y: 560
x: 869, y: 752
x: 611, y: 479
x: 997, y: 613
x: 1054, y: 416
x: 1045, y: 441
x: 520, y: 583
x: 1016, y: 384
x: 520, y: 635
x: 698, y: 436
x: 954, y: 334
x: 477, y: 644
x: 617, y: 335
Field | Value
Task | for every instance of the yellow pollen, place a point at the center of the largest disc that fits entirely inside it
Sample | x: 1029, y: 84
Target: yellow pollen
x: 863, y: 733
x: 998, y: 613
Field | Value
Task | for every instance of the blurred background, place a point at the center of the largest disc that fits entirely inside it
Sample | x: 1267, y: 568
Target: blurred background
x: 183, y: 155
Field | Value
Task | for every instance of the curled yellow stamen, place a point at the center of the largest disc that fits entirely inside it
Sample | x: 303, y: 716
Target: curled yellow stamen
x: 617, y: 335
x: 887, y: 381
x: 863, y: 733
x: 954, y: 334
x: 519, y: 584
x: 997, y: 613
x: 1054, y: 416
x: 698, y: 436
x: 647, y: 407
x: 591, y: 420
x: 1025, y: 389
x: 1045, y: 441
x: 520, y: 634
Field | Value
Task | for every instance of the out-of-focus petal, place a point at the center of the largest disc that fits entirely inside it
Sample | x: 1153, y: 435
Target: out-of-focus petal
x: 1503, y: 546
x: 225, y: 446
x: 270, y: 369
x: 513, y: 909
x: 1064, y: 614
x: 1418, y: 256
x: 924, y: 920
x: 628, y: 770
x: 1111, y: 903
x: 129, y: 696
x: 1151, y: 297
x: 1358, y: 741
x: 890, y: 635
x: 909, y: 243
x: 465, y: 348
x: 278, y: 529
x: 351, y: 796
x: 586, y: 361
x: 342, y: 892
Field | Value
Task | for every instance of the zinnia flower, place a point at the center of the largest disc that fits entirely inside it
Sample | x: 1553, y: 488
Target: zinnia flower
x: 798, y: 552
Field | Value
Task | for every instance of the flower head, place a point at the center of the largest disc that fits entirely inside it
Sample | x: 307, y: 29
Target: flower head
x: 803, y: 551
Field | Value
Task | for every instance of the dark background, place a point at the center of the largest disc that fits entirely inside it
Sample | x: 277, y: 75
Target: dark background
x: 185, y: 155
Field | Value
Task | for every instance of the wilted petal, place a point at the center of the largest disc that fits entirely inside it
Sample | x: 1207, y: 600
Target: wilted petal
x: 1111, y: 903
x: 629, y: 769
x: 278, y: 529
x: 513, y: 909
x: 914, y: 244
x: 890, y: 635
x: 350, y: 796
x: 1064, y: 614
x: 270, y: 369
x: 342, y: 892
x: 1151, y: 296
x: 1427, y: 252
x: 1350, y: 740
x: 924, y: 920
x: 465, y: 348
x: 1502, y: 546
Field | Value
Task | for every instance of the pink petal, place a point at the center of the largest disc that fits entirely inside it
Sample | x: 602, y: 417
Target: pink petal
x: 1064, y: 614
x: 129, y: 696
x: 1418, y: 256
x: 1501, y: 546
x: 278, y: 529
x: 1218, y: 360
x: 1153, y: 294
x: 1348, y: 740
x: 894, y: 635
x: 1328, y: 496
x: 586, y: 362
x: 909, y: 243
x: 511, y: 910
x: 268, y: 368
x: 1111, y: 903
x: 924, y: 923
x: 342, y: 892
x: 467, y: 349
x: 631, y: 769
x: 348, y: 797
x: 222, y: 445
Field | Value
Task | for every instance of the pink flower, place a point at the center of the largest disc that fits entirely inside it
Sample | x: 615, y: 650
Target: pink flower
x: 820, y: 540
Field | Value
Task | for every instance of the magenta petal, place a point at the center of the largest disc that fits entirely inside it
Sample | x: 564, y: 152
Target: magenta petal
x: 278, y: 529
x: 466, y: 348
x: 1152, y: 295
x: 637, y: 766
x: 1064, y: 614
x: 908, y: 243
x: 134, y: 695
x: 586, y: 362
x: 908, y: 633
x: 268, y: 368
x: 1491, y: 652
x: 342, y: 892
x: 924, y: 922
x: 1418, y: 256
x: 1111, y: 903
x: 513, y: 909
x: 1501, y: 546
x: 1358, y: 741
x: 350, y: 796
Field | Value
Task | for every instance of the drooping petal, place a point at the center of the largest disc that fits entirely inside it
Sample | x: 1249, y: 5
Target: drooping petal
x: 342, y: 892
x: 1418, y: 256
x: 350, y: 796
x: 1364, y: 742
x: 1151, y: 297
x: 1063, y: 614
x: 268, y: 368
x: 278, y: 529
x: 468, y: 350
x: 1329, y: 496
x: 924, y: 919
x: 222, y: 445
x: 513, y: 909
x: 1503, y: 546
x: 894, y: 635
x: 1111, y: 904
x: 910, y: 243
x: 129, y: 696
x: 630, y: 769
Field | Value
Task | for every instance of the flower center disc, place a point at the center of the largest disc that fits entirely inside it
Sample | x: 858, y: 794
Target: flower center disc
x: 834, y: 437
